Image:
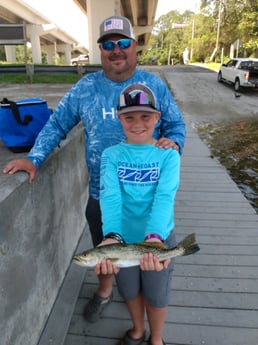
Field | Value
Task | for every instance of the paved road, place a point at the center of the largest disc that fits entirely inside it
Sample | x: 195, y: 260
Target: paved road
x: 203, y: 99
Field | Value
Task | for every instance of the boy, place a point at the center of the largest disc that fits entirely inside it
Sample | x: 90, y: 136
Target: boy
x: 138, y: 185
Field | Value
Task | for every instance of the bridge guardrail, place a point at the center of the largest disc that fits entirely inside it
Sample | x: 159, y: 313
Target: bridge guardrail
x: 46, y: 69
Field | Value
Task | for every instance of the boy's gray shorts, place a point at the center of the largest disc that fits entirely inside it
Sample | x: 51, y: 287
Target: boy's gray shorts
x: 154, y: 286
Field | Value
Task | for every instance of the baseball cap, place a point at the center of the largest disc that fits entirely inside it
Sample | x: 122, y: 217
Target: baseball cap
x: 136, y: 97
x: 115, y: 25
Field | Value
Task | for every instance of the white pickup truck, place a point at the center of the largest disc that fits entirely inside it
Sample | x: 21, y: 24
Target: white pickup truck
x: 80, y: 60
x: 241, y: 72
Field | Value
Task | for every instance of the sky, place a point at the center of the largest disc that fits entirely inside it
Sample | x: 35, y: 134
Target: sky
x: 165, y: 6
x: 68, y: 16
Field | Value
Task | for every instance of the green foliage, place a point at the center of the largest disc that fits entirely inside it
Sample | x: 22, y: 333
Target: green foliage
x: 218, y: 24
x: 2, y: 53
x: 22, y: 56
x: 39, y: 78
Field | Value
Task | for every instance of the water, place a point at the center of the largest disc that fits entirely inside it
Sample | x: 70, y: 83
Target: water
x: 235, y: 144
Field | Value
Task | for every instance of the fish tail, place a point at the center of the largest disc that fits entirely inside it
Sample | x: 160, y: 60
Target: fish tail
x: 188, y: 245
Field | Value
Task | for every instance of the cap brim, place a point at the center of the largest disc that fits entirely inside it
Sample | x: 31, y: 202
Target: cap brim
x: 136, y: 108
x: 110, y: 33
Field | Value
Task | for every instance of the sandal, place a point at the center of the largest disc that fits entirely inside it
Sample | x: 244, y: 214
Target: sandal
x: 128, y: 340
x: 149, y: 341
x: 95, y: 307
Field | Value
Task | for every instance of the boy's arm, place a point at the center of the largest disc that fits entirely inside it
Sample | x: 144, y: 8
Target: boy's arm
x: 162, y: 213
x: 110, y: 195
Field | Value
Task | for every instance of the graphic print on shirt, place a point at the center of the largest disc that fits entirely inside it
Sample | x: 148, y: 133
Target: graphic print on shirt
x: 148, y: 173
x: 111, y: 113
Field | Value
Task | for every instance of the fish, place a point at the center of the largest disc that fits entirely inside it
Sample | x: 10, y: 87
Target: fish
x: 127, y: 255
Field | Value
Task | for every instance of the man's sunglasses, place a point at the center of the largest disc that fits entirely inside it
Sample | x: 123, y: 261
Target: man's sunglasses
x: 135, y: 97
x: 124, y: 43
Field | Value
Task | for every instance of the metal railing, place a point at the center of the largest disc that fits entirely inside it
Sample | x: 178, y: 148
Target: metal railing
x: 46, y: 69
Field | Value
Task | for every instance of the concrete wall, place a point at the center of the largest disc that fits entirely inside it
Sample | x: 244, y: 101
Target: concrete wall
x: 40, y: 226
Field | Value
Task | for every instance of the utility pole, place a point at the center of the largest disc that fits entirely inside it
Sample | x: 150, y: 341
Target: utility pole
x: 218, y: 32
x: 169, y: 54
x: 218, y: 29
x: 193, y: 30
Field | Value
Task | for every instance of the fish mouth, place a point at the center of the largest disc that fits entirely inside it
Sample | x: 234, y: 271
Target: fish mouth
x: 77, y: 260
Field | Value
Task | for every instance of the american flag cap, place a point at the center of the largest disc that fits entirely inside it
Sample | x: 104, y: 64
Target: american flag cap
x: 115, y: 25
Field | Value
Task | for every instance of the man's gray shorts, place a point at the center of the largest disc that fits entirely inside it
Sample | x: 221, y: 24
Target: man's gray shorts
x: 154, y: 286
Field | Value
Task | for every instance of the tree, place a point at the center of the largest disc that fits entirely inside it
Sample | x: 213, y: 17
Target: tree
x: 218, y: 24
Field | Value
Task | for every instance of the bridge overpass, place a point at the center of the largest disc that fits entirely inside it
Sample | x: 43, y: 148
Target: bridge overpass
x: 46, y: 36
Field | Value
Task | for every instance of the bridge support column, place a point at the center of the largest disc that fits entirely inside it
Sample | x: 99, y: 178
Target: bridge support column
x: 32, y: 32
x: 97, y: 11
x: 50, y: 51
x: 10, y: 53
x: 66, y: 50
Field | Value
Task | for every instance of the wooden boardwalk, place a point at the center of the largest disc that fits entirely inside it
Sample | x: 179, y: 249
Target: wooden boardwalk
x: 214, y: 294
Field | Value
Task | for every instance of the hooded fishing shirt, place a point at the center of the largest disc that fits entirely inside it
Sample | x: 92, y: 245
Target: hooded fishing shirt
x: 93, y: 101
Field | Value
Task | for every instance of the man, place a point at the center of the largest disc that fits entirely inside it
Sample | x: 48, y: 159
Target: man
x: 93, y: 101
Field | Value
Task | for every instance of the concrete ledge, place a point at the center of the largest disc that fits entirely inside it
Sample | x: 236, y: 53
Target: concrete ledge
x: 40, y: 226
x: 59, y: 320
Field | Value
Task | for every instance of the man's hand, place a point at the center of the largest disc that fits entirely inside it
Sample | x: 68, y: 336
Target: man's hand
x: 167, y: 143
x: 22, y: 164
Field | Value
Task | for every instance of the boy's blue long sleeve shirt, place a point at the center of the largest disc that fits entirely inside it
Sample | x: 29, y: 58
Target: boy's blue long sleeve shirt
x: 138, y: 186
x: 93, y: 101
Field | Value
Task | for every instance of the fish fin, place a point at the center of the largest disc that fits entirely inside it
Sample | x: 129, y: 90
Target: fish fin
x: 160, y: 245
x: 188, y: 245
x: 113, y: 260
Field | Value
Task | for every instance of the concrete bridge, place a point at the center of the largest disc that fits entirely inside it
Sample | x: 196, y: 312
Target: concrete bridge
x: 46, y: 36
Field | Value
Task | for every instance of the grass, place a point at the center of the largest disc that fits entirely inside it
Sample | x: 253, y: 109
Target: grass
x: 214, y: 66
x: 39, y: 78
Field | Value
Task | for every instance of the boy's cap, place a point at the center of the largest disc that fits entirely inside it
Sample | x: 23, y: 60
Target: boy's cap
x: 136, y: 97
x: 115, y: 25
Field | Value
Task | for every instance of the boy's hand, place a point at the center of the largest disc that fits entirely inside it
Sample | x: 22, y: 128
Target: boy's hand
x: 106, y: 267
x: 151, y: 263
x: 22, y: 164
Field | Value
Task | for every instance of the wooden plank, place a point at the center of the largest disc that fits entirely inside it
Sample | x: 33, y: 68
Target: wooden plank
x: 237, y: 272
x: 200, y: 283
x: 241, y: 239
x: 221, y: 216
x: 199, y: 202
x: 218, y: 223
x: 183, y: 315
x: 227, y: 249
x: 214, y: 293
x: 175, y: 333
x: 222, y: 260
x: 188, y: 298
x: 201, y: 229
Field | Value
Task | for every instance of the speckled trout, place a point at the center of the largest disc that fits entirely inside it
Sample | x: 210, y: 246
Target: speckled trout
x: 126, y: 255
